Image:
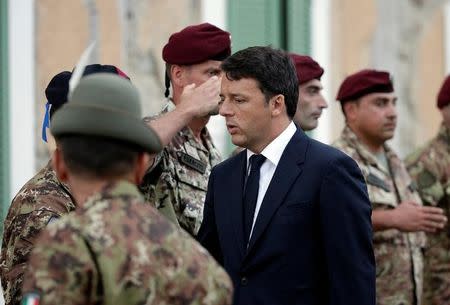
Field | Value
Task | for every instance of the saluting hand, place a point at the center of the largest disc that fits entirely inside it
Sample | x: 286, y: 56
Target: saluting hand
x: 201, y: 101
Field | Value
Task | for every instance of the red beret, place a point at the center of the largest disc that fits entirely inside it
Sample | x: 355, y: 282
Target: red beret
x: 443, y: 98
x: 306, y: 67
x: 364, y: 82
x: 196, y: 44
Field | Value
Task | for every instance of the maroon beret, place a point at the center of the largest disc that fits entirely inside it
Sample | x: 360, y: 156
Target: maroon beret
x: 443, y: 98
x: 196, y: 44
x: 364, y: 82
x: 306, y: 67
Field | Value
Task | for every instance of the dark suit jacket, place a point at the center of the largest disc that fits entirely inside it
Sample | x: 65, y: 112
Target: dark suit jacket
x: 312, y: 240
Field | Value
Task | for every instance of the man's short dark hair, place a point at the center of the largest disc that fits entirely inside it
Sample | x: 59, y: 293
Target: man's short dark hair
x: 98, y: 157
x: 272, y: 69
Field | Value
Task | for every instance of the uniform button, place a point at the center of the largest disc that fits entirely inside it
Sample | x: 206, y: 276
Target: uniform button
x: 244, y: 281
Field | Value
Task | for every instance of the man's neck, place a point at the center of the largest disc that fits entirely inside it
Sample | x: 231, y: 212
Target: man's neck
x: 197, y: 126
x: 82, y: 188
x: 446, y: 124
x: 275, y: 132
x: 375, y: 147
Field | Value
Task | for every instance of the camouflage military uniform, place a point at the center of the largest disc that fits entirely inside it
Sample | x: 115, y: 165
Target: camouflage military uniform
x: 40, y: 200
x: 117, y: 249
x: 398, y: 255
x: 178, y: 180
x: 430, y: 168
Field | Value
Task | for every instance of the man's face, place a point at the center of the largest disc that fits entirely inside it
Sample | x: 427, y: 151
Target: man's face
x: 200, y: 73
x: 446, y: 115
x: 310, y: 104
x: 374, y: 117
x: 247, y: 115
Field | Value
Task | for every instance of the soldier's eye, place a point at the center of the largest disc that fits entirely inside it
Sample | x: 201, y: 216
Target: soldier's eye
x: 213, y: 73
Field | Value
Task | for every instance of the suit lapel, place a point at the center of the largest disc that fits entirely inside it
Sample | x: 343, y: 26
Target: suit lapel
x: 236, y: 183
x: 287, y: 171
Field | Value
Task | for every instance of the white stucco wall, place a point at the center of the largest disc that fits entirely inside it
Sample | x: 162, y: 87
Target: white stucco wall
x: 215, y: 12
x: 21, y: 92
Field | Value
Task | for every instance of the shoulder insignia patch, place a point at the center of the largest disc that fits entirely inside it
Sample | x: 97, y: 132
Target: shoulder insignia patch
x: 413, y: 187
x: 378, y: 182
x: 425, y: 179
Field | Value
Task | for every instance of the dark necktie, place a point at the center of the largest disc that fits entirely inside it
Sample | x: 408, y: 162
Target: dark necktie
x: 251, y: 193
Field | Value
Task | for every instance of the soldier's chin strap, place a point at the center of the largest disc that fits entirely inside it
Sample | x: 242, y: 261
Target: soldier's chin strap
x: 46, y: 121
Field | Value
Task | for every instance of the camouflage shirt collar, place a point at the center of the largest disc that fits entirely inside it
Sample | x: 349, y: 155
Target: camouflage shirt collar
x: 115, y: 190
x: 63, y: 185
x: 444, y: 134
x: 349, y: 136
x: 205, y: 136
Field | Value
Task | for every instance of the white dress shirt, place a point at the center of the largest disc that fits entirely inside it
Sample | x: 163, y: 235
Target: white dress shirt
x: 273, y: 153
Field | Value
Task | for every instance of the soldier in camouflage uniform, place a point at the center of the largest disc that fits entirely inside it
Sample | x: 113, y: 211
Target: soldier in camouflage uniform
x: 430, y: 169
x: 115, y: 248
x: 177, y: 180
x: 41, y: 200
x: 398, y: 218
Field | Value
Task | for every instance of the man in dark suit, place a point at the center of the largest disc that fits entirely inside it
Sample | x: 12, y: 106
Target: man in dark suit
x: 289, y: 217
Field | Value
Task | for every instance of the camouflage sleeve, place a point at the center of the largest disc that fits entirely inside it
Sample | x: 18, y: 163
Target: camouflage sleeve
x: 426, y: 173
x: 153, y: 172
x: 219, y: 288
x: 61, y: 269
x: 159, y: 187
x: 201, y: 279
x: 22, y: 232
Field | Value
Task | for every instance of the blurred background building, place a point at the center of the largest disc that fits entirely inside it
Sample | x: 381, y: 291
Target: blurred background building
x: 40, y: 38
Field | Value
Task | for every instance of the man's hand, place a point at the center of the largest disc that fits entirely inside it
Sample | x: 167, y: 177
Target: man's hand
x: 411, y: 217
x: 195, y: 102
x: 201, y: 101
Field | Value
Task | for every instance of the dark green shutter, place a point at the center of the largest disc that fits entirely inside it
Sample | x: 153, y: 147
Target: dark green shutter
x: 281, y: 23
x: 299, y: 26
x: 254, y: 23
x: 4, y: 113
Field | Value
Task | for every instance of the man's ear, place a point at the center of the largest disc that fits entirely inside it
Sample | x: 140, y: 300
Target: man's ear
x: 142, y: 165
x: 350, y: 109
x: 277, y: 105
x: 177, y: 75
x: 59, y: 166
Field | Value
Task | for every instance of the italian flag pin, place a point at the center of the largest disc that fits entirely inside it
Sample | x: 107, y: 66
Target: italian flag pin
x: 31, y: 298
